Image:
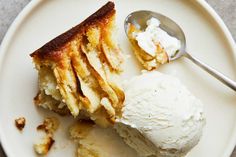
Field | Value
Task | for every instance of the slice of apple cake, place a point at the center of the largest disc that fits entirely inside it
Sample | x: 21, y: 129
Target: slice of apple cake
x: 79, y: 70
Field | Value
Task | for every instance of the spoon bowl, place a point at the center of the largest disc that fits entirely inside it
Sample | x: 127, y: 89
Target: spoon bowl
x: 139, y: 19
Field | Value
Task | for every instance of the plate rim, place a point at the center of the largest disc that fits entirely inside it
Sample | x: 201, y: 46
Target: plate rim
x: 34, y: 3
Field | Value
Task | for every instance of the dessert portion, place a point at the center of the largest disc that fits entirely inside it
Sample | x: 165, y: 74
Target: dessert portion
x: 78, y: 70
x: 160, y: 116
x: 79, y: 75
x: 153, y: 46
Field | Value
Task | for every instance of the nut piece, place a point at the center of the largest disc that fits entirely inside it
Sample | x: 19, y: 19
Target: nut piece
x: 20, y: 123
x: 44, y: 147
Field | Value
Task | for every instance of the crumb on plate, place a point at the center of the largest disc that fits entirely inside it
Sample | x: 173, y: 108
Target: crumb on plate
x: 84, y: 151
x: 20, y: 123
x: 79, y: 133
x: 43, y: 147
x: 81, y: 129
x: 49, y: 125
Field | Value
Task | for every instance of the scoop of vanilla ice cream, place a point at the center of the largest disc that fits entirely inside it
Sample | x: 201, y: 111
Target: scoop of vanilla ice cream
x: 160, y: 116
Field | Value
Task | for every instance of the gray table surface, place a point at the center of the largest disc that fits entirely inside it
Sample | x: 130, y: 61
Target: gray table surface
x: 10, y: 8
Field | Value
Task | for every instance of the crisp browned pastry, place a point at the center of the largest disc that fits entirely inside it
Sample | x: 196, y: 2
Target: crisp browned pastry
x: 78, y: 69
x: 148, y: 62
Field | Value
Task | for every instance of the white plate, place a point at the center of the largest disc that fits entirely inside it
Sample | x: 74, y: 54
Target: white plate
x: 207, y: 38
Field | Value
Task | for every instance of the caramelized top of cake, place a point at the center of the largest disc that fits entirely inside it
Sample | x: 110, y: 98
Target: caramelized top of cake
x: 51, y: 49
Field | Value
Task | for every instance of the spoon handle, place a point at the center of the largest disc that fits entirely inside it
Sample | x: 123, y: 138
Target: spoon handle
x: 221, y: 77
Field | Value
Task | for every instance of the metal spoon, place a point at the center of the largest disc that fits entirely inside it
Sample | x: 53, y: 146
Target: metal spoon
x: 139, y: 19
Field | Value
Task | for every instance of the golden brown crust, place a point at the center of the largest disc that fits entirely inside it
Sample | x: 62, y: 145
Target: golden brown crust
x: 51, y: 49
